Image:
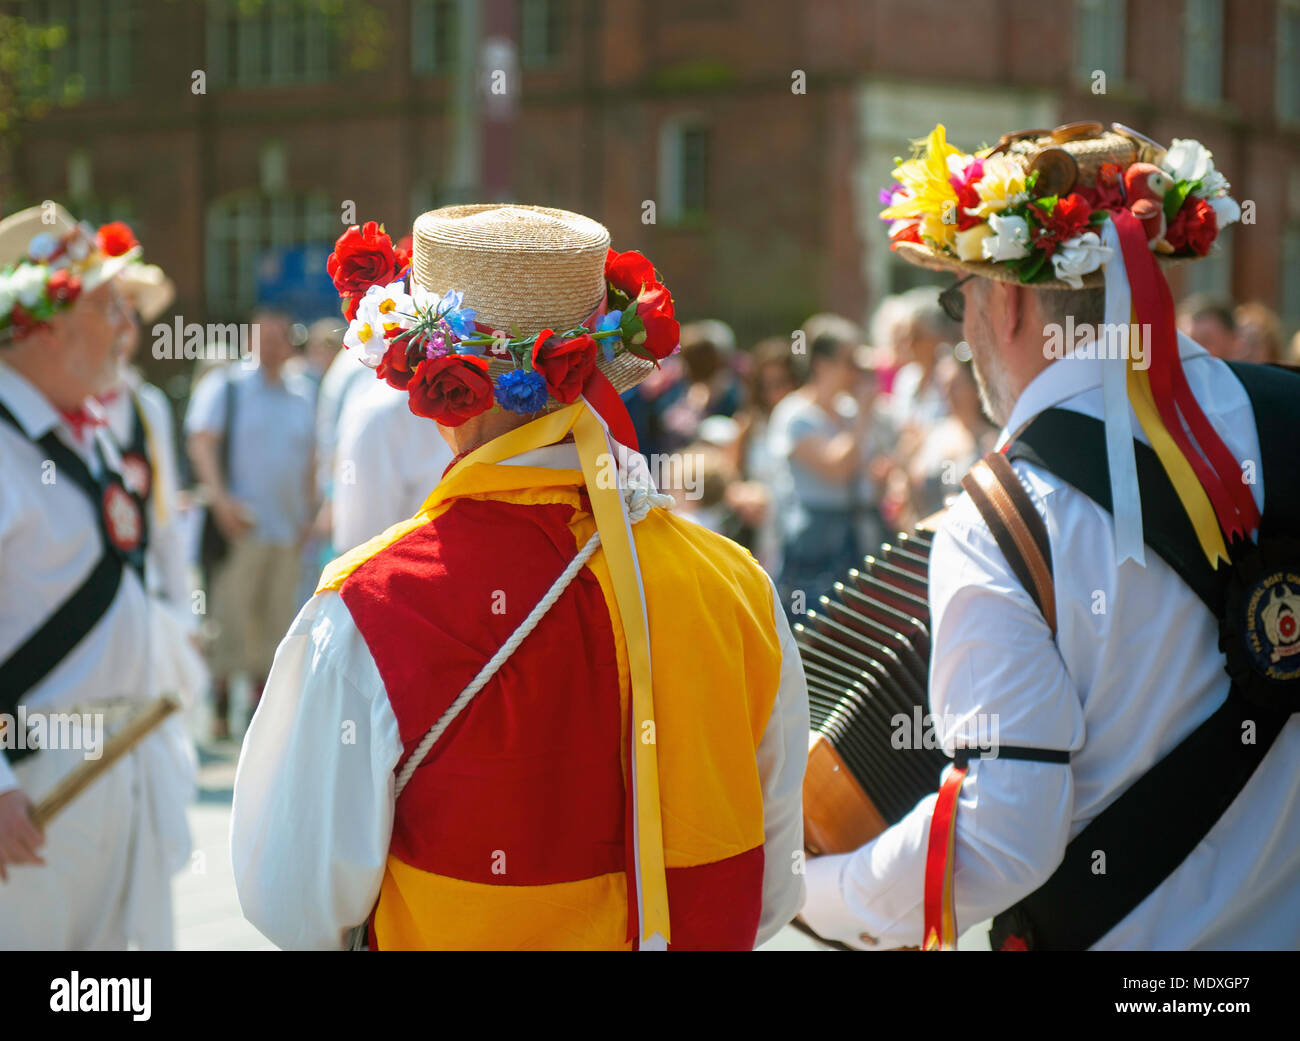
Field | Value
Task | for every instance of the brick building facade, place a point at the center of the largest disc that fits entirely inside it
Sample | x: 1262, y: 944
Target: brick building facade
x: 760, y: 130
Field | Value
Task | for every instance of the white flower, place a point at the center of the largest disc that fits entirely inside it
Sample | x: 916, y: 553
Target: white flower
x: 382, y: 309
x: 1189, y: 160
x: 1079, y: 256
x: 1009, y: 241
x: 968, y: 243
x: 1226, y: 210
x: 7, y: 295
x: 28, y: 284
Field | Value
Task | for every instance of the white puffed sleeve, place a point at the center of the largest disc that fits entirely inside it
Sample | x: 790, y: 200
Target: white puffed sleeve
x: 313, y: 803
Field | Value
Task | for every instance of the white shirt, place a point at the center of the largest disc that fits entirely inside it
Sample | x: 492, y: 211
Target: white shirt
x: 312, y: 818
x: 386, y: 463
x: 1135, y: 668
x: 49, y: 543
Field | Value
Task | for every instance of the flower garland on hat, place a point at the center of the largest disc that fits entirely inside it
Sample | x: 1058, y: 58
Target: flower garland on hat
x: 53, y: 274
x: 433, y: 348
x: 985, y: 208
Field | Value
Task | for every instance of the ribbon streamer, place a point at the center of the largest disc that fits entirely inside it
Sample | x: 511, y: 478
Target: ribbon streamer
x: 1121, y: 460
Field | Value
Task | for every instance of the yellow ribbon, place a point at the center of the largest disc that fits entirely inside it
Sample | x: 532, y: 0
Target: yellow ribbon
x: 1199, y: 509
x: 615, y: 539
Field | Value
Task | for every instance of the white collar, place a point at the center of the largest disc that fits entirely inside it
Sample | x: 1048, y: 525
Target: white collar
x: 1067, y: 377
x: 563, y: 456
x: 29, y: 406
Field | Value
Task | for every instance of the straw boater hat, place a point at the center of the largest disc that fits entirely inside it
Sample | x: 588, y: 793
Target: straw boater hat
x: 984, y: 213
x: 1082, y: 206
x: 519, y: 307
x: 48, y: 259
x: 148, y: 288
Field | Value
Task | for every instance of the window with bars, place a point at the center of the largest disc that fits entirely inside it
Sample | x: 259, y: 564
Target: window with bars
x: 268, y: 43
x: 1288, y: 61
x: 541, y: 32
x: 1203, y: 51
x: 246, y: 227
x: 94, y: 58
x: 683, y: 171
x: 1099, y: 39
x: 433, y: 36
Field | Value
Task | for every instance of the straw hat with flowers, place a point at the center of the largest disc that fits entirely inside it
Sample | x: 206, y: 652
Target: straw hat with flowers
x: 522, y: 308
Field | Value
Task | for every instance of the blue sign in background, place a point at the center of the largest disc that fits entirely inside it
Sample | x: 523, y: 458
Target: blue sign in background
x: 294, y: 279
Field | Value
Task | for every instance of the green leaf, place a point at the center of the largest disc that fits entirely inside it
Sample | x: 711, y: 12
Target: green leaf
x: 639, y: 351
x: 1176, y: 196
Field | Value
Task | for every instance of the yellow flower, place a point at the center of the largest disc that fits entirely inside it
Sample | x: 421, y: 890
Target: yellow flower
x: 1002, y: 185
x: 929, y: 195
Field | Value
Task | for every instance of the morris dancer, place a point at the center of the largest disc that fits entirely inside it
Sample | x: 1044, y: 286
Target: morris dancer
x: 544, y: 712
x: 1155, y: 798
x: 75, y: 620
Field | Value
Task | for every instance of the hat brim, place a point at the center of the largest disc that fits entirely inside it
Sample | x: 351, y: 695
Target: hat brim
x: 108, y: 269
x: 924, y: 256
x: 149, y: 297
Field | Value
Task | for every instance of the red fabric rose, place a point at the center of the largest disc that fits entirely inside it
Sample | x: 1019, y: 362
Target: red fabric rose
x: 1195, y: 227
x: 115, y: 238
x: 655, y: 309
x: 564, y: 366
x: 910, y: 232
x: 1108, y: 192
x: 1069, y: 217
x: 23, y: 321
x: 63, y: 287
x: 394, y: 367
x: 629, y: 272
x: 451, y: 389
x: 364, y: 257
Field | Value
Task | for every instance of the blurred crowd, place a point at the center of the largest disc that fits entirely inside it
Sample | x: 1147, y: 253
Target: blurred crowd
x: 809, y: 448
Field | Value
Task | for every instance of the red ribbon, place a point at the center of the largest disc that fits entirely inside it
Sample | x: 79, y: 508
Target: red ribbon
x: 1220, y: 476
x: 938, y: 853
x: 81, y: 419
x: 605, y: 400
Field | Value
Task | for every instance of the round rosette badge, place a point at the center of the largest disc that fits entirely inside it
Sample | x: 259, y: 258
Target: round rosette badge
x: 1262, y: 625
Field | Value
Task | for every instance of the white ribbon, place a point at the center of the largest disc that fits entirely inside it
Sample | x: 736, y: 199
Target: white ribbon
x: 1126, y: 500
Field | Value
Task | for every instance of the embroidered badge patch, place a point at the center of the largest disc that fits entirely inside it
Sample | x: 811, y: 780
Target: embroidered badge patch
x: 122, y: 519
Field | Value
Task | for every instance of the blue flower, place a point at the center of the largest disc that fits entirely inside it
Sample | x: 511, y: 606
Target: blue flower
x: 606, y: 322
x: 522, y: 392
x: 461, y: 321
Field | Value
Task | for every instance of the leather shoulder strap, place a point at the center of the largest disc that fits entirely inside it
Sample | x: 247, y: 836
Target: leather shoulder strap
x: 1017, y: 526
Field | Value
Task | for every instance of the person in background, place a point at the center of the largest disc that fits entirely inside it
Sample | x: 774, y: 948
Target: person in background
x: 825, y: 436
x: 76, y: 622
x: 773, y: 375
x: 699, y: 381
x: 263, y: 504
x: 952, y: 446
x: 1259, y: 334
x: 922, y: 335
x: 1210, y: 322
x: 376, y: 482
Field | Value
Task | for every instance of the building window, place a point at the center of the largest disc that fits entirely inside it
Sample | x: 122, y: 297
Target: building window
x: 541, y: 32
x: 683, y: 171
x: 433, y: 36
x: 268, y: 43
x: 93, y: 58
x: 1099, y: 39
x: 245, y: 228
x: 1203, y: 51
x: 1288, y: 61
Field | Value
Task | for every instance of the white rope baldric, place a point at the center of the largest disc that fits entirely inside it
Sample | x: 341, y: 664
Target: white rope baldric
x: 640, y: 499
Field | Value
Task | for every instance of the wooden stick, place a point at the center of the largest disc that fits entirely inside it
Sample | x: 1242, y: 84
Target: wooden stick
x: 137, y: 728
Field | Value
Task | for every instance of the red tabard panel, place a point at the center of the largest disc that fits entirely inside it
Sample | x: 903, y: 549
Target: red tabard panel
x: 716, y: 907
x: 525, y: 787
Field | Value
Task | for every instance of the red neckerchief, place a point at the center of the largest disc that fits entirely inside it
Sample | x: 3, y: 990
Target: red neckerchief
x: 80, y: 420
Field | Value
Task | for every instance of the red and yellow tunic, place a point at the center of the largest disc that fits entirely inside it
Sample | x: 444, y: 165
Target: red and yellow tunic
x: 516, y: 830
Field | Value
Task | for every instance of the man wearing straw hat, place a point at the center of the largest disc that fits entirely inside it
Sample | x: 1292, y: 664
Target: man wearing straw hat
x: 75, y: 620
x: 1136, y: 643
x: 544, y: 712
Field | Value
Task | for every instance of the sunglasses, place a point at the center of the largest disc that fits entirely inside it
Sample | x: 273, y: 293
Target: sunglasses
x: 953, y: 300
